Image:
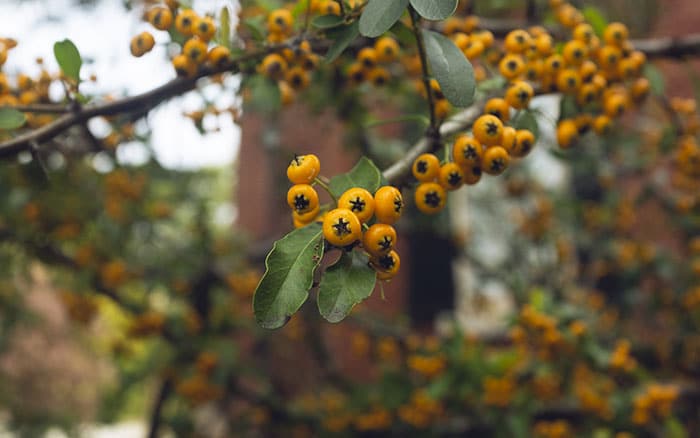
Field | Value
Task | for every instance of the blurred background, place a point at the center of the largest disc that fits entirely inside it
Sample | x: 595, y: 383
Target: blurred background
x: 560, y: 300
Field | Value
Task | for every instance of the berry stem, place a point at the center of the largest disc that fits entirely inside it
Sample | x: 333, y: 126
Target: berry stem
x: 325, y: 185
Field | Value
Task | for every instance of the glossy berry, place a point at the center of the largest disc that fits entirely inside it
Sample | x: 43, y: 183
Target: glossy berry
x: 378, y: 76
x: 219, y: 57
x: 508, y: 139
x: 511, y: 66
x: 615, y: 34
x: 498, y: 107
x: 467, y: 151
x: 367, y: 57
x: 341, y: 227
x: 524, y: 142
x: 302, y: 198
x: 141, y: 44
x: 488, y: 130
x: 386, y: 265
x: 567, y: 132
x: 575, y: 52
x: 387, y: 49
x: 379, y: 239
x: 161, y: 18
x: 184, y: 66
x: 359, y: 201
x: 496, y: 160
x: 195, y: 49
x: 297, y: 78
x: 426, y: 167
x: 451, y: 176
x: 274, y: 66
x: 388, y: 204
x: 280, y: 21
x: 430, y: 197
x: 204, y: 28
x: 306, y: 218
x: 472, y: 174
x: 303, y: 169
x: 517, y: 41
x: 184, y: 21
x: 519, y: 94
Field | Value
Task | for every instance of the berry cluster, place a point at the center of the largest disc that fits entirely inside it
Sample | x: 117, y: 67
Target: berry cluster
x: 348, y: 224
x: 197, y: 50
x: 488, y: 149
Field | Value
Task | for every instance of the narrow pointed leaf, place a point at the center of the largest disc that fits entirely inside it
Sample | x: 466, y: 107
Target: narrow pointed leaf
x: 345, y: 284
x: 288, y: 276
x: 434, y: 9
x: 451, y: 69
x: 379, y: 15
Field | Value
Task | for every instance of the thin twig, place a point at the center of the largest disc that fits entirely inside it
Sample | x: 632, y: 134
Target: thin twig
x: 415, y: 20
x: 166, y: 388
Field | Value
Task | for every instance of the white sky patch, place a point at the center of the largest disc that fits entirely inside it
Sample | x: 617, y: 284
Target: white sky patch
x: 102, y: 34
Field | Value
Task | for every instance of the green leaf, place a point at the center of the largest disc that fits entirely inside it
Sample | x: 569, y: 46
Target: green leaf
x: 327, y: 21
x: 379, y: 15
x: 656, y: 79
x: 567, y: 107
x: 68, y: 59
x: 300, y: 8
x: 256, y: 26
x: 11, y: 118
x: 365, y: 174
x: 674, y: 428
x: 595, y: 17
x: 451, y: 69
x: 345, y: 284
x: 288, y: 276
x: 224, y: 31
x: 434, y: 9
x: 342, y: 37
x: 526, y: 119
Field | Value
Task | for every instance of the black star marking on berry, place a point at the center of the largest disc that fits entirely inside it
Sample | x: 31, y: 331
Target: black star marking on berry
x: 470, y: 152
x: 341, y: 227
x: 422, y: 166
x: 301, y: 202
x: 497, y: 165
x: 476, y: 170
x: 454, y: 178
x: 298, y: 159
x: 523, y: 95
x: 432, y: 199
x: 385, y: 243
x: 491, y: 128
x: 357, y: 204
x: 512, y: 65
x: 387, y: 262
x: 398, y: 205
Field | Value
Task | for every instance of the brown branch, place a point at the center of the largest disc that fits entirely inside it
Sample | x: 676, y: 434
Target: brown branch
x: 47, y: 108
x: 164, y: 392
x: 140, y: 103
